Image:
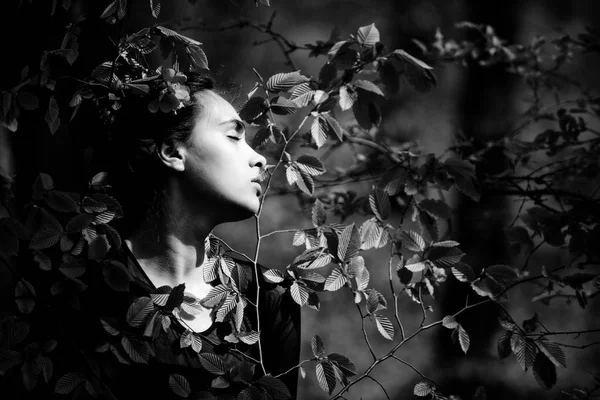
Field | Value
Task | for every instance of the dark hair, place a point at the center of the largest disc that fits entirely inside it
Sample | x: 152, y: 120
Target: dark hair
x: 138, y: 177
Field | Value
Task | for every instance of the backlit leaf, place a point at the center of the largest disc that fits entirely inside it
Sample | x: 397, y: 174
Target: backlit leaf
x: 273, y: 275
x: 553, y: 352
x: 310, y: 164
x: 463, y: 339
x: 385, y: 327
x: 349, y: 243
x: 347, y: 97
x: 299, y: 293
x: 285, y: 81
x: 380, y: 203
x: 336, y: 280
x: 412, y: 241
x: 463, y: 272
x: 139, y: 311
x: 69, y: 382
x: 368, y: 35
x: 326, y: 376
x: 213, y: 363
x: 316, y: 344
x: 138, y: 350
x: 318, y: 131
x: 422, y: 389
x: 368, y: 86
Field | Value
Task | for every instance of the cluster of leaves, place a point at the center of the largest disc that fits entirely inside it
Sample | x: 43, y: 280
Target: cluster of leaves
x: 358, y: 77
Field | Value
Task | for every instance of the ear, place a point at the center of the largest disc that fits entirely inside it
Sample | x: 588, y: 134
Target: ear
x: 171, y: 154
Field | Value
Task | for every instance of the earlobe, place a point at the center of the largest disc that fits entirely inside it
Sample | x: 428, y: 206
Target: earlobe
x: 172, y: 155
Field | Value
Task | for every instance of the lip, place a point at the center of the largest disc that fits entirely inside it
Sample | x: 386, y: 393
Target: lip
x: 256, y: 182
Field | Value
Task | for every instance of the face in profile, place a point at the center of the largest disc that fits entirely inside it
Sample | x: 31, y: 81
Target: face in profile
x: 220, y: 169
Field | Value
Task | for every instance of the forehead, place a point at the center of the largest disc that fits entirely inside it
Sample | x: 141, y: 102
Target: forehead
x: 214, y: 109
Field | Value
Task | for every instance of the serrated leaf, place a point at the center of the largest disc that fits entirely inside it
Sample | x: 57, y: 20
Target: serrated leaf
x: 380, y: 203
x: 385, y: 327
x: 347, y: 97
x: 138, y: 350
x: 68, y: 382
x: 375, y: 301
x: 299, y: 293
x: 179, y: 385
x: 413, y: 241
x: 436, y: 208
x: 197, y: 58
x: 213, y: 363
x: 463, y: 272
x: 422, y: 389
x: 139, y: 311
x: 524, y: 349
x: 349, y: 243
x: 253, y: 108
x: 310, y: 164
x: 444, y: 257
x: 373, y: 234
x: 335, y: 280
x: 344, y: 364
x: 273, y: 276
x: 404, y: 56
x: 326, y: 376
x: 249, y: 337
x: 553, y: 352
x: 25, y: 296
x: 274, y: 387
x: 177, y: 37
x: 463, y: 339
x: 368, y: 86
x: 226, y: 307
x: 317, y: 346
x: 544, y: 371
x: 78, y: 223
x: 368, y: 35
x: 52, y: 116
x: 503, y: 345
x: 334, y: 126
x: 155, y: 8
x: 449, y: 322
x: 285, y: 81
x: 318, y: 131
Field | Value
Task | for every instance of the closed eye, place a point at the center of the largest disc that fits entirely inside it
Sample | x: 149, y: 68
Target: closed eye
x: 236, y: 138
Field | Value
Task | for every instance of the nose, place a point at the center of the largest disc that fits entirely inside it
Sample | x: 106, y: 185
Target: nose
x: 257, y: 160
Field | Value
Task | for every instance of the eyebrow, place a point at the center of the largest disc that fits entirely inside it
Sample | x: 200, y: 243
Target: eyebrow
x: 240, y: 127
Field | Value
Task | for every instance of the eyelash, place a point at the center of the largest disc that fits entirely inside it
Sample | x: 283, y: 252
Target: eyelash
x: 237, y: 139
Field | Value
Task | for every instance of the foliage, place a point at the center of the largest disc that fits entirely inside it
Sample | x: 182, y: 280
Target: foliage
x: 554, y: 172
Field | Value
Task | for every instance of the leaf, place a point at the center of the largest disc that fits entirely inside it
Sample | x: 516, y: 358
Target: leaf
x: 44, y: 239
x: 273, y: 276
x: 422, y: 389
x: 197, y: 58
x: 449, y: 322
x: 444, y: 257
x: 436, y: 208
x: 385, y: 327
x: 110, y: 10
x: 553, y: 352
x: 213, y: 363
x: 179, y: 385
x: 175, y: 298
x: 215, y: 296
x: 28, y: 101
x: 138, y: 350
x: 326, y: 376
x: 463, y: 339
x: 380, y: 203
x: 480, y: 393
x: 504, y: 344
x: 174, y: 36
x: 249, y: 337
x: 368, y: 86
x: 51, y: 116
x: 310, y: 164
x: 463, y: 272
x: 25, y: 296
x: 318, y: 213
x: 368, y: 35
x: 373, y: 234
x: 69, y: 382
x: 253, y: 108
x: 335, y: 280
x: 413, y: 241
x: 285, y: 81
x: 139, y: 311
x: 299, y: 293
x: 155, y: 8
x: 116, y: 275
x: 524, y: 349
x: 404, y: 56
x: 274, y: 387
x: 78, y: 223
x: 544, y: 371
x: 109, y: 328
x: 375, y: 301
x: 347, y: 97
x: 346, y: 366
x: 349, y: 243
x: 318, y: 131
x: 226, y: 307
x: 463, y: 173
x: 317, y: 346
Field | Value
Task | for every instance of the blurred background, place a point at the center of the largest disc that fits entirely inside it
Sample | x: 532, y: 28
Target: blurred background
x: 481, y: 103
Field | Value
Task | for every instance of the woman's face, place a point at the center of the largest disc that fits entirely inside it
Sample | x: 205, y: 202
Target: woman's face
x: 220, y: 169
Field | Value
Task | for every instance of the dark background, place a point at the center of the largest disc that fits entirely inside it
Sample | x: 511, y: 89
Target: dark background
x: 482, y: 103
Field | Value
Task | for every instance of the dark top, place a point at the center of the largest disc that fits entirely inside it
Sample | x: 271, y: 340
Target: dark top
x: 142, y: 349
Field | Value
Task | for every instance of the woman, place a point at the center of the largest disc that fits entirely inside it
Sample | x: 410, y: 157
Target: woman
x: 185, y: 168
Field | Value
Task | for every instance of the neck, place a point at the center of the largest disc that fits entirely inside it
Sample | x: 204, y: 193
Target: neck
x: 170, y: 247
